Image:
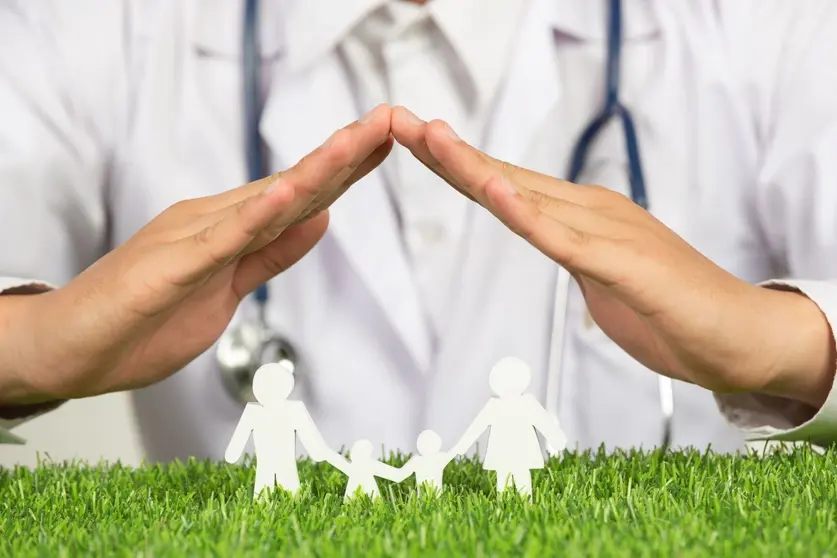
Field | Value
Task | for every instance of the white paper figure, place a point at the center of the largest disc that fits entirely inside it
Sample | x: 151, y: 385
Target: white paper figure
x: 429, y: 465
x: 362, y: 469
x: 275, y: 423
x: 513, y: 446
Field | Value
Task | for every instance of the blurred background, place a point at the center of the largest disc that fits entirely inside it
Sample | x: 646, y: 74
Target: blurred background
x: 98, y: 428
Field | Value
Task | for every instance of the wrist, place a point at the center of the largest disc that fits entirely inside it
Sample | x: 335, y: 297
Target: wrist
x: 20, y: 366
x: 803, y: 348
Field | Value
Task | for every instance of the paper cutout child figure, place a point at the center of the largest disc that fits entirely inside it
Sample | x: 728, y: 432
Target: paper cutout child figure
x: 362, y: 470
x: 513, y: 446
x: 276, y: 423
x: 429, y: 465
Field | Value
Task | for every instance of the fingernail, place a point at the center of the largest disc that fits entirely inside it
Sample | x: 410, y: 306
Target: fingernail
x: 508, y: 186
x: 412, y: 118
x: 368, y: 117
x: 270, y: 189
x: 451, y: 133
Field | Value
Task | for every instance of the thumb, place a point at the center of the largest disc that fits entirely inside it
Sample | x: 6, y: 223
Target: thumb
x: 269, y: 261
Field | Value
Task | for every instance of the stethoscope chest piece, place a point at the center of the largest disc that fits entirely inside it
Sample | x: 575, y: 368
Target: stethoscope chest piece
x: 245, y: 347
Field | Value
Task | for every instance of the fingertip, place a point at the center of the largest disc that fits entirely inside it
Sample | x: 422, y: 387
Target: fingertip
x: 380, y: 112
x: 383, y: 110
x: 376, y: 124
x: 406, y: 116
x: 406, y: 126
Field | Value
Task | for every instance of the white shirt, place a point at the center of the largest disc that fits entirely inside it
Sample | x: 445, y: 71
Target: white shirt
x: 424, y: 58
x: 446, y: 59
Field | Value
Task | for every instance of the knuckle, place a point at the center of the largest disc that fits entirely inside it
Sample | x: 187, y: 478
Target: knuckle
x: 436, y: 128
x: 598, y: 191
x: 606, y: 196
x: 178, y: 208
x: 247, y: 225
x: 309, y: 162
x: 541, y: 200
x: 538, y: 198
x: 204, y: 236
x: 204, y: 242
x: 508, y: 169
x: 240, y: 209
x: 305, y: 159
x: 340, y: 149
x: 578, y: 238
x: 269, y: 180
x: 274, y: 265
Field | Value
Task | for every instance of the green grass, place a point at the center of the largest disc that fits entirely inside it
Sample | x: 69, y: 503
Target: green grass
x: 632, y: 504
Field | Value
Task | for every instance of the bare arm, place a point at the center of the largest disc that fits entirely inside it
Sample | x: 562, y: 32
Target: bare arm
x: 241, y: 434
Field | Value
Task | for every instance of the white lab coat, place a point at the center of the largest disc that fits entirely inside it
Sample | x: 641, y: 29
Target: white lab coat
x: 113, y: 110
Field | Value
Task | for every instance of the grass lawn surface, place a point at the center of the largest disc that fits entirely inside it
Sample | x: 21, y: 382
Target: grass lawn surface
x: 631, y: 504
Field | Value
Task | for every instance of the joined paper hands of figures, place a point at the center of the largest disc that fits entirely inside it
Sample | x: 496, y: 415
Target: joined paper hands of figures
x: 512, y: 418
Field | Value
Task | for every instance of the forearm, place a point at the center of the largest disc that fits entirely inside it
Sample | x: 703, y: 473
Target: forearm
x: 19, y: 399
x: 12, y: 368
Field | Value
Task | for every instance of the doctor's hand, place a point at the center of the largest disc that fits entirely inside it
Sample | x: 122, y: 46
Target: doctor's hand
x: 159, y: 300
x: 663, y: 302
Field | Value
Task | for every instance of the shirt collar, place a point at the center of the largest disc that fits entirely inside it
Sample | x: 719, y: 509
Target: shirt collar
x: 479, y: 31
x: 314, y: 27
x: 475, y: 27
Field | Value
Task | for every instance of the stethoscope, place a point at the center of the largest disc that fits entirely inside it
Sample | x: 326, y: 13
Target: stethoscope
x: 249, y: 344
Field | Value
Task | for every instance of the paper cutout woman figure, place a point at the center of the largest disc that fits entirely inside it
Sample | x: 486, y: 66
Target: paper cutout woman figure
x: 362, y: 469
x: 276, y: 423
x: 513, y: 446
x: 429, y: 465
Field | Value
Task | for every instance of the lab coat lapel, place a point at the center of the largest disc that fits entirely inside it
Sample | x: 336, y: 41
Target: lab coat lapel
x: 210, y: 141
x: 531, y: 89
x: 304, y: 108
x: 529, y: 98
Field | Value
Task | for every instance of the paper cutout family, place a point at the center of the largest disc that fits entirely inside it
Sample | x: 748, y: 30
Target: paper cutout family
x: 511, y: 418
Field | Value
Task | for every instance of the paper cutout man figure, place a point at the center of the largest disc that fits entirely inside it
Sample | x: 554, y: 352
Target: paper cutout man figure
x: 429, y: 465
x: 362, y: 470
x: 275, y: 423
x: 513, y: 446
